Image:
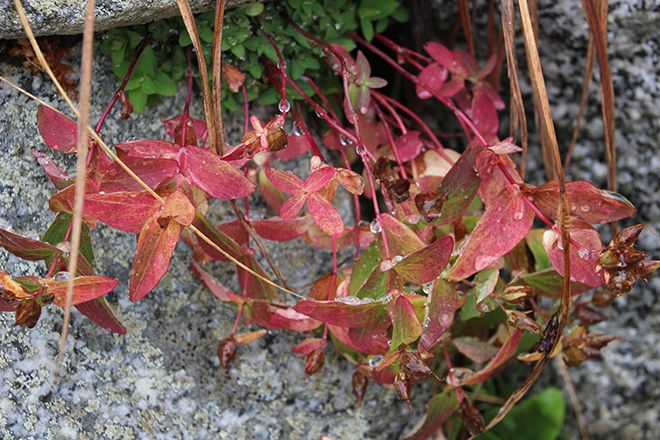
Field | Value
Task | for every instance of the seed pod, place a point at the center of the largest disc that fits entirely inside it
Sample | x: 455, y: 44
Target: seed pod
x: 430, y: 205
x: 549, y: 335
x: 588, y: 315
x: 360, y: 383
x: 402, y: 387
x: 398, y: 190
x: 521, y: 321
x: 472, y: 418
x: 314, y: 361
x: 413, y: 365
x: 227, y: 351
x: 602, y: 298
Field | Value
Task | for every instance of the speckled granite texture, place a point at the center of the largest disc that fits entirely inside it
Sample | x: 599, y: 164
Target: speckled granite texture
x: 620, y: 391
x: 162, y: 379
x: 65, y: 17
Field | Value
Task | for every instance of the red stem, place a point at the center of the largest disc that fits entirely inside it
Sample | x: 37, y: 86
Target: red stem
x: 127, y: 77
x: 281, y: 66
x: 186, y: 107
x: 390, y: 139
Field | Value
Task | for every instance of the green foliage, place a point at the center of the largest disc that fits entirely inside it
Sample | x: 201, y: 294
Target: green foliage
x: 539, y: 417
x: 163, y: 64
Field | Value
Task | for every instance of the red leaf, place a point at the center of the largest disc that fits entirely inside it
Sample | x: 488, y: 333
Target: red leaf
x: 442, y: 304
x: 126, y: 211
x: 216, y: 287
x: 178, y: 208
x: 285, y: 181
x: 347, y: 312
x: 296, y: 145
x: 406, y: 327
x: 584, y: 256
x: 441, y: 407
x: 459, y: 186
x: 99, y: 311
x: 350, y: 180
x: 57, y: 131
x: 504, y: 224
x: 155, y: 246
x: 362, y: 340
x: 278, y: 229
x: 507, y: 350
x: 426, y: 264
x: 198, y: 126
x: 272, y: 315
x: 325, y: 215
x: 433, y: 77
x: 446, y: 58
x: 292, y: 206
x: 26, y: 248
x: 213, y: 175
x: 409, y: 146
x: 306, y: 346
x: 484, y: 115
x: 475, y: 349
x: 57, y: 175
x: 586, y: 202
x: 317, y: 180
x: 152, y: 171
x: 274, y: 197
x: 85, y: 288
x: 149, y: 149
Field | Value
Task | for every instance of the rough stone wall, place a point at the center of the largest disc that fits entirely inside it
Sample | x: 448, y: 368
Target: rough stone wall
x: 66, y: 17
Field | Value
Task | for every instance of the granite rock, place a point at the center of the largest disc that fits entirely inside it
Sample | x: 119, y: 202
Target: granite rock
x: 619, y: 391
x: 66, y: 17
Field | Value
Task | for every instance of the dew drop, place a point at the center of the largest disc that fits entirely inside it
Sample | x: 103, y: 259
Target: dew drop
x: 343, y: 140
x: 284, y: 106
x: 585, y: 254
x: 375, y: 227
x: 585, y: 208
x: 375, y: 360
x: 427, y: 288
x: 297, y: 130
x: 62, y: 276
x: 397, y: 259
x: 318, y: 114
x: 360, y: 150
x: 573, y: 207
x: 101, y: 192
x: 518, y: 215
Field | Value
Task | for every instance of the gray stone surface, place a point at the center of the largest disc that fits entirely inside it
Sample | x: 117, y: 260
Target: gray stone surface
x: 620, y: 391
x: 162, y: 379
x: 65, y: 17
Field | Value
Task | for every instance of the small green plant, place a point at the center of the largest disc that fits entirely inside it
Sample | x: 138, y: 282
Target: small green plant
x: 163, y: 63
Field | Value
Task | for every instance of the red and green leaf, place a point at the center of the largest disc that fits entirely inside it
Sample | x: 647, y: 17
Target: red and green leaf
x: 85, y: 288
x: 426, y: 264
x: 504, y: 224
x: 406, y: 327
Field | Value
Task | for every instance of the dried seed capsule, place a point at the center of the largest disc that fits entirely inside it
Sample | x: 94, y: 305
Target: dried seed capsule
x: 227, y: 351
x: 472, y: 418
x: 314, y: 361
x: 28, y: 312
x: 360, y: 383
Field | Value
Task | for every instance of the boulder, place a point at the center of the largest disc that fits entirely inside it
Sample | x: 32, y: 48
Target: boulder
x: 66, y: 17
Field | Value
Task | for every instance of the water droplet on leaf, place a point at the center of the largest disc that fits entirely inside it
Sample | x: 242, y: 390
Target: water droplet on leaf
x: 62, y: 276
x: 375, y: 227
x: 284, y: 106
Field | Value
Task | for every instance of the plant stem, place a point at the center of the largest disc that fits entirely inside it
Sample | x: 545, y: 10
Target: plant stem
x: 131, y: 67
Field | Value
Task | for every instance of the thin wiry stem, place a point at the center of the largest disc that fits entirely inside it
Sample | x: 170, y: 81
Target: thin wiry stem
x: 81, y: 165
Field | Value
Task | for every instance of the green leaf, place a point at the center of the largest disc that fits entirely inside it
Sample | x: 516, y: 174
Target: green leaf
x: 534, y: 241
x: 138, y: 99
x: 367, y: 269
x: 254, y: 9
x: 376, y: 9
x: 146, y: 64
x: 441, y: 407
x: 406, y: 327
x: 367, y: 28
x: 165, y: 86
x: 539, y: 417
